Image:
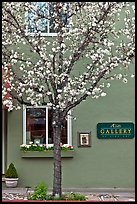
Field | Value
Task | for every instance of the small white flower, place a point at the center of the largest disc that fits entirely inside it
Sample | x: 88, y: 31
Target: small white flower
x: 49, y: 93
x: 53, y: 49
x: 22, y: 145
x: 119, y: 76
x: 106, y: 51
x: 59, y: 90
x: 51, y: 56
x: 20, y: 94
x: 49, y: 104
x: 47, y: 71
x: 108, y: 85
x: 87, y: 55
x: 48, y: 64
x: 88, y: 93
x: 103, y: 94
x: 124, y: 80
x: 94, y: 24
x: 110, y: 44
x: 32, y: 102
x: 132, y: 75
x: 21, y: 68
x: 53, y: 123
x: 50, y: 145
x: 63, y: 45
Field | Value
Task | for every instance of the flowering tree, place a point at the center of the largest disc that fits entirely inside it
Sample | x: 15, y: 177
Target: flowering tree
x: 98, y: 35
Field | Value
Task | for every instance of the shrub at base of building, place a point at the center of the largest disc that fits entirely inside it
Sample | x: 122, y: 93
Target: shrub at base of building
x: 11, y: 176
x: 40, y: 193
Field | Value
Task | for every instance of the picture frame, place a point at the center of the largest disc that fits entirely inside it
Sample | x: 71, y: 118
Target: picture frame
x: 84, y: 139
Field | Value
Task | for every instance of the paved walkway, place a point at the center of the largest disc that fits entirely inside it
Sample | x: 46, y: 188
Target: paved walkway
x: 93, y: 195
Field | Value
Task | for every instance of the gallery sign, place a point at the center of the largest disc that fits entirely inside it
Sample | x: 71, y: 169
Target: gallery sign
x: 115, y: 130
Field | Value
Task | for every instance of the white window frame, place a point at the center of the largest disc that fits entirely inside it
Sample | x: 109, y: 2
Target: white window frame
x: 42, y: 34
x: 69, y: 124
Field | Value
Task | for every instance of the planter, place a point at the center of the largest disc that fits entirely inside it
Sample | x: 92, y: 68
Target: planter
x: 45, y: 154
x: 11, y: 182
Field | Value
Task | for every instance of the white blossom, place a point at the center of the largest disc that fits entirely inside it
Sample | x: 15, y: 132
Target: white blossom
x: 59, y: 90
x: 132, y: 75
x: 79, y: 62
x: 119, y: 76
x: 54, y: 49
x: 49, y: 104
x: 125, y: 80
x: 49, y: 93
x: 108, y: 85
x: 103, y: 94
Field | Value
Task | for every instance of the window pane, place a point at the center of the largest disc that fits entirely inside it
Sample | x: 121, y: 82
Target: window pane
x: 64, y: 133
x: 37, y: 19
x: 50, y: 130
x: 36, y: 125
x: 64, y: 18
x: 42, y: 17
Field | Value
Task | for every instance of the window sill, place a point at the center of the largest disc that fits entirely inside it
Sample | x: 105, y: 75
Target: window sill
x: 46, y: 154
x: 42, y: 34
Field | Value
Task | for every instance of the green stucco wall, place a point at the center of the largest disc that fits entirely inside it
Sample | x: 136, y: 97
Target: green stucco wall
x: 107, y: 163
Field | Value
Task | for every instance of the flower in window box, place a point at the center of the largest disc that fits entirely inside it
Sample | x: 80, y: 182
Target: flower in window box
x: 43, y: 147
x: 66, y: 147
x: 49, y: 147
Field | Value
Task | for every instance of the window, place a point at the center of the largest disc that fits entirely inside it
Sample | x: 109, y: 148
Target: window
x: 37, y: 126
x: 41, y: 19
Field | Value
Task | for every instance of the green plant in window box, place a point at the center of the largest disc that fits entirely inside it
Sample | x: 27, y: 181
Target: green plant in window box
x: 43, y: 147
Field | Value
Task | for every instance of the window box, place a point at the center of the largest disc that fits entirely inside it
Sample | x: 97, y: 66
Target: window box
x: 48, y: 153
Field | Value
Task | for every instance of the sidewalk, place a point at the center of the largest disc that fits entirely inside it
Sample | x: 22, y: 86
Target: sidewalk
x: 92, y: 195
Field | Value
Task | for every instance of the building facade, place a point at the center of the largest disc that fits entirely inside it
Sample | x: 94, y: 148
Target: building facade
x: 95, y: 162
x: 106, y: 163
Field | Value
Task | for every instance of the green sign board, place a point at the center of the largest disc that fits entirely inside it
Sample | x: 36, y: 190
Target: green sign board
x: 115, y: 130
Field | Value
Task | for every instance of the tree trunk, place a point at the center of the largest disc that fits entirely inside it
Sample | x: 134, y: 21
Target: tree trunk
x: 57, y: 189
